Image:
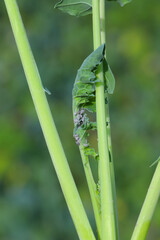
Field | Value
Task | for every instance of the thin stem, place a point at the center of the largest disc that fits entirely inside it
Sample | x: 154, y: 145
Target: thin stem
x: 102, y: 21
x: 144, y: 220
x: 96, y: 23
x: 107, y: 206
x: 47, y: 124
x: 92, y: 189
x: 103, y: 40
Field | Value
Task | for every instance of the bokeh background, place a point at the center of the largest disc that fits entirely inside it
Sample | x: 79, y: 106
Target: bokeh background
x: 32, y: 206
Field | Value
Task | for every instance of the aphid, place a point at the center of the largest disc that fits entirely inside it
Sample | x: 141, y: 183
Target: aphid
x: 85, y: 144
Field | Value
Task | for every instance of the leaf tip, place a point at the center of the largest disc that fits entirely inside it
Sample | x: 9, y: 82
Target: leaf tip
x: 155, y: 162
x: 123, y: 2
x: 56, y: 5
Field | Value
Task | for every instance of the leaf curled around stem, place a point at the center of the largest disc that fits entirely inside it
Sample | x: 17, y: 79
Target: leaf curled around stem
x: 84, y: 96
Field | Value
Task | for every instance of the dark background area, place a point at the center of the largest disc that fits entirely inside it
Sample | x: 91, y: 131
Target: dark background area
x: 32, y: 206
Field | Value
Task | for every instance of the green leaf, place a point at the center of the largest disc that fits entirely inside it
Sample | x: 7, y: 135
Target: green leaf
x: 75, y: 7
x: 91, y: 152
x: 81, y: 7
x: 121, y: 2
x: 109, y: 77
x: 84, y: 99
x: 94, y: 59
x: 84, y: 87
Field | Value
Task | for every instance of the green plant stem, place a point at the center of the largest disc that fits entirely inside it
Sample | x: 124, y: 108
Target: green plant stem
x: 103, y: 40
x: 144, y: 220
x: 92, y: 189
x: 107, y: 205
x: 47, y: 124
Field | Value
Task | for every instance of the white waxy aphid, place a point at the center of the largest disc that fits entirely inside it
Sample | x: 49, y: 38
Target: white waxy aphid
x: 76, y: 121
x: 85, y: 144
x: 82, y: 111
x: 78, y: 142
x: 79, y: 116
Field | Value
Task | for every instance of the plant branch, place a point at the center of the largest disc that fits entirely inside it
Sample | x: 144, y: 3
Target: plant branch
x: 144, y: 220
x: 107, y: 206
x: 47, y: 124
x: 92, y: 190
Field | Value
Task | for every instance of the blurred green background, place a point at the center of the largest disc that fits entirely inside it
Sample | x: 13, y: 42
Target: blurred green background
x: 32, y: 206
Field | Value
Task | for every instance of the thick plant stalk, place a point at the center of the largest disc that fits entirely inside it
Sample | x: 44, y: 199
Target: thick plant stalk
x: 47, y: 124
x: 107, y: 205
x: 92, y: 189
x: 103, y: 40
x: 144, y: 220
